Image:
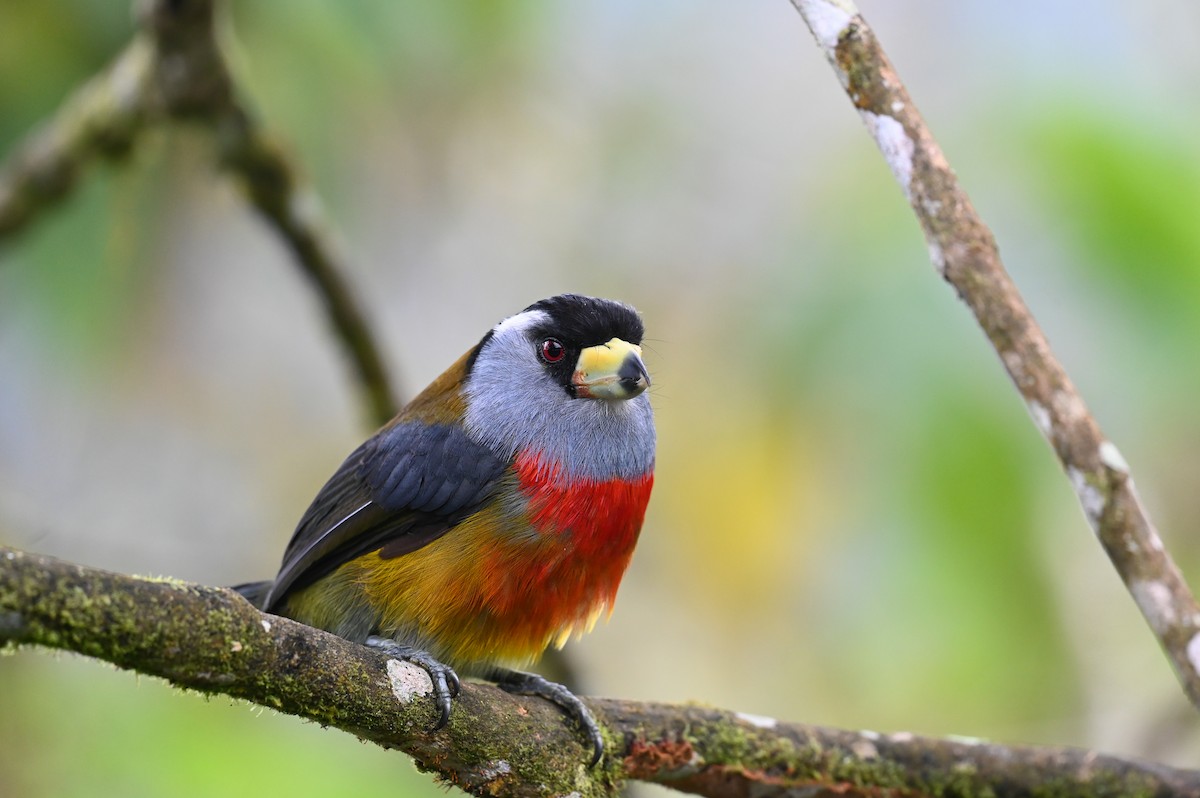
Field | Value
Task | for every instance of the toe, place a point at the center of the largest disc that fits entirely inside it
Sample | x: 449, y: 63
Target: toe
x: 446, y: 684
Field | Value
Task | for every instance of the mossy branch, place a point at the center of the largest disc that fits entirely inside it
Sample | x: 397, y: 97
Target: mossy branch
x: 210, y: 639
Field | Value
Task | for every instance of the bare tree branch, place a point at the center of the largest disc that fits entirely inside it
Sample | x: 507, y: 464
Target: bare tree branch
x: 174, y: 69
x: 965, y: 254
x: 211, y: 640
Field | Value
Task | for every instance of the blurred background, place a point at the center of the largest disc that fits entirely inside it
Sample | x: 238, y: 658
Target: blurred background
x: 854, y: 522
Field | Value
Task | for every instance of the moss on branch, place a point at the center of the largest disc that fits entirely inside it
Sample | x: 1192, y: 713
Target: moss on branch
x: 210, y: 639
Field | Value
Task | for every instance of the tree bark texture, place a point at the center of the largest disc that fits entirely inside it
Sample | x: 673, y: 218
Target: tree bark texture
x: 211, y: 640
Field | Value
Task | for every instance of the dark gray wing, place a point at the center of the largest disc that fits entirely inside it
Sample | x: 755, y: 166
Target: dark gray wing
x: 402, y: 489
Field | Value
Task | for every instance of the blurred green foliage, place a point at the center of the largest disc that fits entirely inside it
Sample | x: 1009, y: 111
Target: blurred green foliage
x: 854, y: 521
x: 1129, y: 196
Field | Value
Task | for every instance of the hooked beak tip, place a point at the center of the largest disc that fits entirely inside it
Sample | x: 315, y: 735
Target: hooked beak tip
x: 633, y: 375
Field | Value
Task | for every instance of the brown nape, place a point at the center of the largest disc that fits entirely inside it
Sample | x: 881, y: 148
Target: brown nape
x: 442, y: 402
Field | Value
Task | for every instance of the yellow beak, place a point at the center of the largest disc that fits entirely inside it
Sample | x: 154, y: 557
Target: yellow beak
x: 610, y: 371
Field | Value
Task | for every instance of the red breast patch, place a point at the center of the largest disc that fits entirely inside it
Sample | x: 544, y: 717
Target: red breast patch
x: 601, y: 517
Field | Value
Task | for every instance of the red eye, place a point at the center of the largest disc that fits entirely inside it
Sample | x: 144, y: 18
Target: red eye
x: 553, y: 350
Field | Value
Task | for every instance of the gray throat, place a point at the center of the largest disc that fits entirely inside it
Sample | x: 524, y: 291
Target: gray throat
x: 514, y: 406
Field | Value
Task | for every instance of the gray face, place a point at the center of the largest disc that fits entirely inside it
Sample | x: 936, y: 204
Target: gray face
x: 515, y: 404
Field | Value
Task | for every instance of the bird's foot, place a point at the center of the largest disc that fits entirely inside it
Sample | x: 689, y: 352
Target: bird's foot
x: 446, y: 685
x: 521, y: 683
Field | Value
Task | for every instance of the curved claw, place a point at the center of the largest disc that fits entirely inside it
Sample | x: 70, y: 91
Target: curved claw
x: 521, y: 683
x: 455, y: 683
x: 446, y: 684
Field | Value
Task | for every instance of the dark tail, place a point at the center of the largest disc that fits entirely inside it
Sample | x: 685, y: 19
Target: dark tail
x: 255, y: 592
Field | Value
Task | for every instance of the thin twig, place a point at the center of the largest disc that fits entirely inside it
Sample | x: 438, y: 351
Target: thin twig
x: 175, y: 69
x: 102, y: 119
x: 294, y: 209
x: 210, y: 639
x: 965, y: 254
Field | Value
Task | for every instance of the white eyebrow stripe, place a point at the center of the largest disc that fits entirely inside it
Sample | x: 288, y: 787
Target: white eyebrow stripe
x: 521, y: 321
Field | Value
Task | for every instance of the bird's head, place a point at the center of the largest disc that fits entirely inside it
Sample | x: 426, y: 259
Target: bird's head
x: 565, y: 379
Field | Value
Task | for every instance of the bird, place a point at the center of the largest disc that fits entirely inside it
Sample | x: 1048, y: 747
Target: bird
x: 495, y: 514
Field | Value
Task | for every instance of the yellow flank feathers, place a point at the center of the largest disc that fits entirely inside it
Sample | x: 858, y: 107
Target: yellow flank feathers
x: 579, y: 628
x: 477, y: 598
